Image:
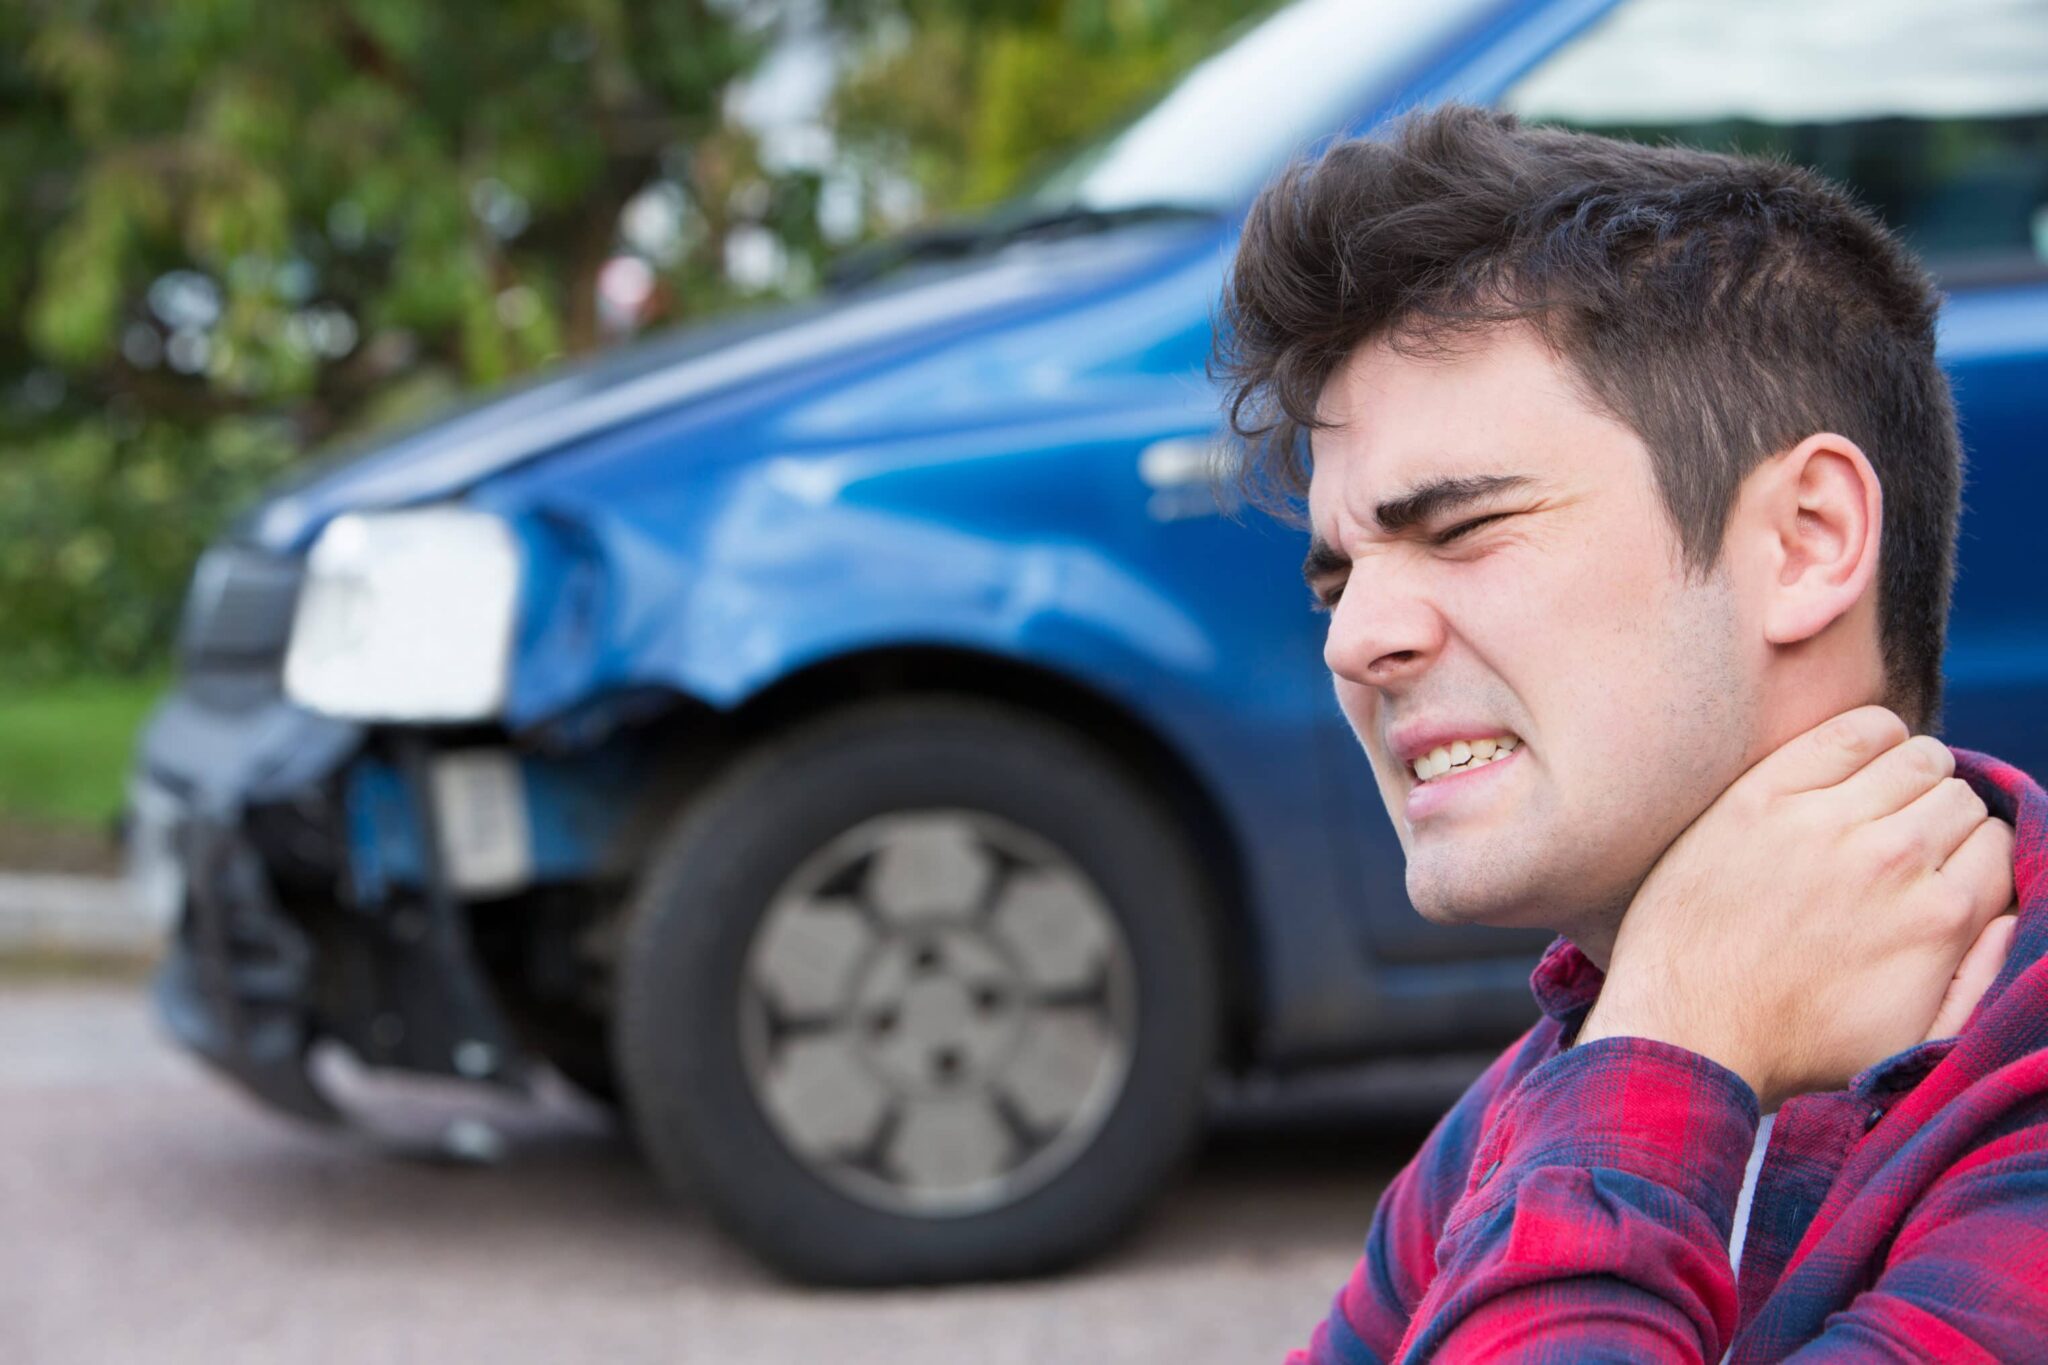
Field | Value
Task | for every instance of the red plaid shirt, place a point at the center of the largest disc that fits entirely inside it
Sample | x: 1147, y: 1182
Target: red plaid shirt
x: 1576, y: 1205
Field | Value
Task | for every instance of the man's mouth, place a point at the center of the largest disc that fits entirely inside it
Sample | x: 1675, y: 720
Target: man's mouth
x: 1463, y: 755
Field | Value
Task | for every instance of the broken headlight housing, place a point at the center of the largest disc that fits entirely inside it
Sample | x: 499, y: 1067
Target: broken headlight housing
x: 406, y: 616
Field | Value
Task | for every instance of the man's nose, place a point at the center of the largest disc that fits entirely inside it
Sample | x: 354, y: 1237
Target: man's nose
x: 1381, y: 636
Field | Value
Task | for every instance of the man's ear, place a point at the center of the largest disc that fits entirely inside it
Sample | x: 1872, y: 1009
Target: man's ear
x: 1822, y: 513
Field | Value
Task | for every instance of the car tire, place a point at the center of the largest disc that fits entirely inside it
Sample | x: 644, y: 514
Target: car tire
x: 1003, y: 965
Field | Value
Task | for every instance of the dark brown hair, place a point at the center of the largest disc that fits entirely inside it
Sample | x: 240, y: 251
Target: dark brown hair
x: 1723, y: 308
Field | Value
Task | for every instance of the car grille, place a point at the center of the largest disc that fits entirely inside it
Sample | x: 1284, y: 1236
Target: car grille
x: 238, y: 616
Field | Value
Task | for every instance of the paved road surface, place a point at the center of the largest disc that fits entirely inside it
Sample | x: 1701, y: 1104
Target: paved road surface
x: 148, y: 1214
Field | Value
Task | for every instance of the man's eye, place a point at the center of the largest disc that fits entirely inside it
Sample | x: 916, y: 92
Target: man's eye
x: 1445, y: 537
x: 1326, y: 598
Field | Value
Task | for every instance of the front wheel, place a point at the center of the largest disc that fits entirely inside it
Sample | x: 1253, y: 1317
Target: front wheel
x: 920, y: 992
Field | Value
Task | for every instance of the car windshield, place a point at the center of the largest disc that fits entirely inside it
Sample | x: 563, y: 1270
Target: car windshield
x: 1237, y: 117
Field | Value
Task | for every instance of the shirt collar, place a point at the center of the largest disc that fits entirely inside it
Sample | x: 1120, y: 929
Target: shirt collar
x: 1565, y: 982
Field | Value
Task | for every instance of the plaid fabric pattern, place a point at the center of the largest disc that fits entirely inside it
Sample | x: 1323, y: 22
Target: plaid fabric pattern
x: 1576, y: 1205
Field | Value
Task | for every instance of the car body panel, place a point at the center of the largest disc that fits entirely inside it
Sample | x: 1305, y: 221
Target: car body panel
x: 1994, y: 343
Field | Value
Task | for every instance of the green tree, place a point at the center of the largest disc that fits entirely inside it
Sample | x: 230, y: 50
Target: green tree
x: 238, y: 229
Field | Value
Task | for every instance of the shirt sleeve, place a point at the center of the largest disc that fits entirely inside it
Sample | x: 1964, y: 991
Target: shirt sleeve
x: 1370, y: 1314
x: 1594, y: 1223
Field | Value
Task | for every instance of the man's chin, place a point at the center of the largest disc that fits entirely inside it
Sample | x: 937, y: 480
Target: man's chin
x: 1457, y: 901
x: 1487, y: 915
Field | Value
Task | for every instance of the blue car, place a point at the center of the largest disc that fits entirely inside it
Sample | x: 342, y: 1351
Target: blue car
x: 857, y: 742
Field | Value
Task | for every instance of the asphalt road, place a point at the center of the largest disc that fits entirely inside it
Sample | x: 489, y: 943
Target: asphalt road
x: 147, y: 1213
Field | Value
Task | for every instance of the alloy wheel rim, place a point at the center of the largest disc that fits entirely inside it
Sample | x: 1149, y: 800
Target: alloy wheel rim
x: 937, y: 1012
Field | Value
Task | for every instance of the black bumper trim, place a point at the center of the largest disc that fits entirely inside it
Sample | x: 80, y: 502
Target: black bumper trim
x: 236, y: 987
x: 251, y: 986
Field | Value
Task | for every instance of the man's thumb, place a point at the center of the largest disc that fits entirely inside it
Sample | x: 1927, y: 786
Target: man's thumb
x: 1974, y: 975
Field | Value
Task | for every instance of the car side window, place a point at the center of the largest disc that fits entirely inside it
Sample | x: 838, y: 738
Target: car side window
x: 1935, y: 111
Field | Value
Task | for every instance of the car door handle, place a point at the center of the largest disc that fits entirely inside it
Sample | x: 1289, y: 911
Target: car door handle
x: 1178, y: 461
x: 1188, y: 476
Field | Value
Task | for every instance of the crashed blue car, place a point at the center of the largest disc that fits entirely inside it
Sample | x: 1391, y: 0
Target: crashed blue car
x: 858, y: 743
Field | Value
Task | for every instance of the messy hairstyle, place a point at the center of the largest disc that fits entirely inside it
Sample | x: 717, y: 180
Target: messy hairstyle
x: 1723, y: 308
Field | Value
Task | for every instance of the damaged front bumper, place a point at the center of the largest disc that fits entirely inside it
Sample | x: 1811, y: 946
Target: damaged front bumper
x: 241, y: 819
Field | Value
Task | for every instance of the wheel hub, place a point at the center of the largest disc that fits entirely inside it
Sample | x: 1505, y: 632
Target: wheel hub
x: 938, y: 1011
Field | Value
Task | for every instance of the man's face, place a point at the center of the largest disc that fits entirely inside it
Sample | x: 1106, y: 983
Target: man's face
x: 1510, y: 581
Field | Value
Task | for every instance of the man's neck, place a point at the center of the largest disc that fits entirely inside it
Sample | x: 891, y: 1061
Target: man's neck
x: 1595, y: 935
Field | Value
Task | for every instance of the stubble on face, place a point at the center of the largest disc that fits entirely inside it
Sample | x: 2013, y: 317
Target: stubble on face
x: 1595, y: 821
x: 1570, y: 621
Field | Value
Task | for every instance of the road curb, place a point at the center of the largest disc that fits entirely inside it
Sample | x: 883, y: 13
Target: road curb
x: 66, y: 915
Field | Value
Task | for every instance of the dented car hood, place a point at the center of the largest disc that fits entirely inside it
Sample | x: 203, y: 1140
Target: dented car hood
x: 456, y: 452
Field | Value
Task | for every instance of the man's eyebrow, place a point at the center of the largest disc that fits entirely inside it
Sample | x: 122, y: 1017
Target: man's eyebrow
x: 1323, y: 559
x: 1417, y: 505
x: 1430, y: 500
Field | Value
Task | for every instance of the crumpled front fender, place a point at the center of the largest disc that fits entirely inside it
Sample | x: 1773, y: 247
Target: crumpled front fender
x: 789, y: 572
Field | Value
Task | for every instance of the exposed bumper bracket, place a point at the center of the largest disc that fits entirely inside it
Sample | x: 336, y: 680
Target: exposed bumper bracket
x: 251, y: 985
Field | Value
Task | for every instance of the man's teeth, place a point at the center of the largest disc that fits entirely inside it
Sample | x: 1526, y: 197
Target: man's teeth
x: 1462, y: 754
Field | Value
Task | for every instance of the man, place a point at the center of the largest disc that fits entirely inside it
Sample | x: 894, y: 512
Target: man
x: 1633, y: 485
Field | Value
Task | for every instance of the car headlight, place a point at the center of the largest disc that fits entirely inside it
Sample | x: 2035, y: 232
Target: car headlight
x: 406, y: 616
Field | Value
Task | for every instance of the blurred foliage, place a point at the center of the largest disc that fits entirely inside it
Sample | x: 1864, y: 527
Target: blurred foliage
x: 974, y: 97
x: 239, y: 229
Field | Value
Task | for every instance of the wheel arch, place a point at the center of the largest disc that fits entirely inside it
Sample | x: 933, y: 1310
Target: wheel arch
x: 846, y: 680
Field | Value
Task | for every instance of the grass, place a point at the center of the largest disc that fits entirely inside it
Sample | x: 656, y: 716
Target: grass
x: 65, y: 748
x: 35, y: 964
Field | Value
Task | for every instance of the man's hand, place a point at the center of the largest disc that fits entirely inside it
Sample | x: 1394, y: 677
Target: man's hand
x: 1837, y: 904
x: 1980, y: 968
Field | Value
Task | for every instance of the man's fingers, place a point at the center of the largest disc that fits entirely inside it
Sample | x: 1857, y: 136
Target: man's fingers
x: 1981, y: 871
x: 1897, y: 778
x: 1930, y: 829
x: 1978, y: 969
x: 1832, y: 750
